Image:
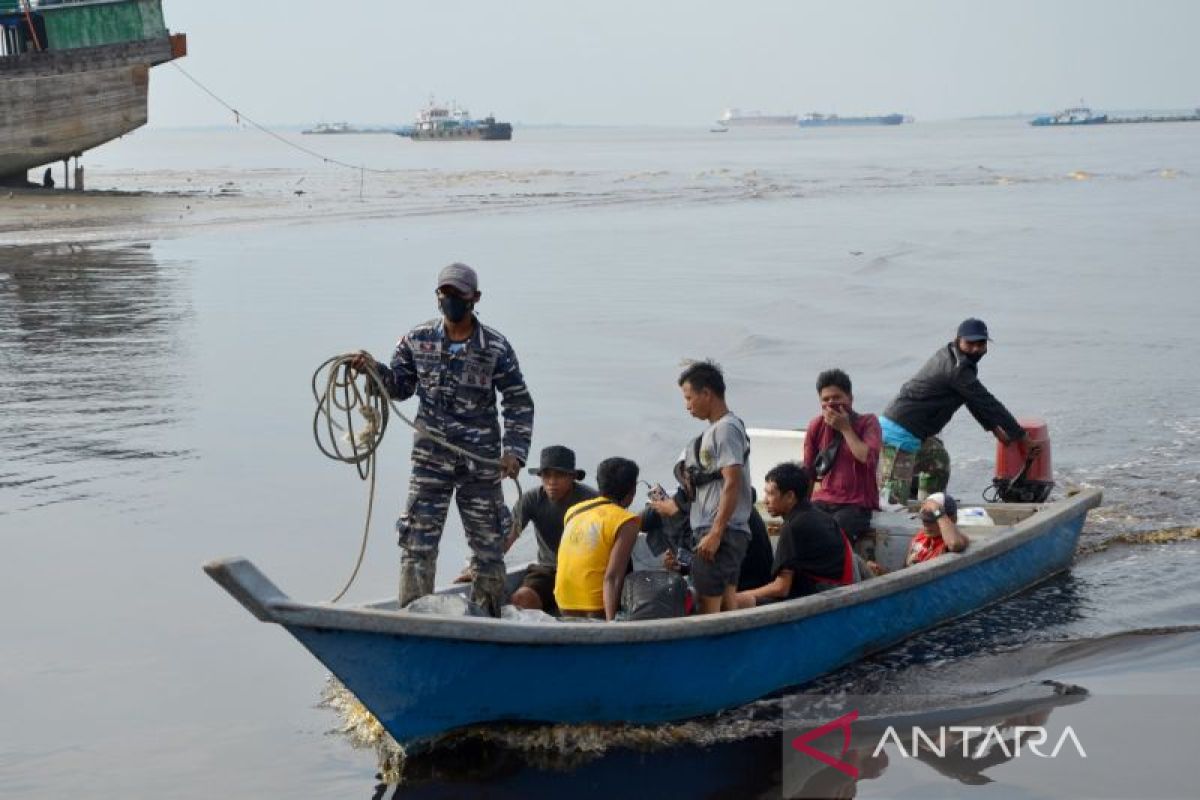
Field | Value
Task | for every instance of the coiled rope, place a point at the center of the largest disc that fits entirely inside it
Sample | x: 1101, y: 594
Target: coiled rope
x: 342, y: 395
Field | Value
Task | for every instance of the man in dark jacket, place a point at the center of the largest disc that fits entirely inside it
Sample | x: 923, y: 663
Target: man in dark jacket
x: 929, y: 399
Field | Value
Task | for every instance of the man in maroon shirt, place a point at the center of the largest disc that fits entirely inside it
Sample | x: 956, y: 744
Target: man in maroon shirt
x: 841, y: 451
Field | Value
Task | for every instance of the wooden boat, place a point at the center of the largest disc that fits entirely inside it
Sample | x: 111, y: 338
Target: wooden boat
x: 74, y: 75
x: 424, y: 675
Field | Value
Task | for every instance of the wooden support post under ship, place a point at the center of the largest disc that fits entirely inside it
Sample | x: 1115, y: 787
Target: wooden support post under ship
x: 74, y: 74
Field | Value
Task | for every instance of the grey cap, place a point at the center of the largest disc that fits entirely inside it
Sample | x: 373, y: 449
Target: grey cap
x: 460, y: 276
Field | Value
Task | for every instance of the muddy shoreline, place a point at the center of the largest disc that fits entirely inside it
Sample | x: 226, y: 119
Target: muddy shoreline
x: 49, y: 216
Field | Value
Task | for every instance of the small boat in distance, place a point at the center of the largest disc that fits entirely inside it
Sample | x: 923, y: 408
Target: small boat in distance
x: 438, y: 122
x: 334, y: 128
x: 736, y: 118
x: 815, y: 120
x: 1080, y: 115
x: 327, y: 128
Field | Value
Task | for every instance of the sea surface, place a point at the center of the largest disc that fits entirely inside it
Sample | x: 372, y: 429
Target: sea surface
x: 155, y: 412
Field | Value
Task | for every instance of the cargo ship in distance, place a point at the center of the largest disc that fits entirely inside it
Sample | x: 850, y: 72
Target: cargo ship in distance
x: 815, y: 120
x: 74, y: 74
x: 441, y: 123
x: 736, y: 118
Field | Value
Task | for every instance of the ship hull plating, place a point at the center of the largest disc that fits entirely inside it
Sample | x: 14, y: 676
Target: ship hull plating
x: 495, y: 132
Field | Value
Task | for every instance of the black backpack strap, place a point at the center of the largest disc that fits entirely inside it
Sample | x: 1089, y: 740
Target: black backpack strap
x: 746, y: 455
x: 702, y: 477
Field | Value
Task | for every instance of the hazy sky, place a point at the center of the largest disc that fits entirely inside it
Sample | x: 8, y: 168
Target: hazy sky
x: 675, y: 61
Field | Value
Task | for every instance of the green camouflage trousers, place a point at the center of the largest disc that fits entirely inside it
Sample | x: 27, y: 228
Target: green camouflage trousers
x: 903, y: 469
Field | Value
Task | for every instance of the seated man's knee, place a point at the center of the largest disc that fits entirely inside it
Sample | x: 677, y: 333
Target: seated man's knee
x: 743, y: 600
x: 525, y: 597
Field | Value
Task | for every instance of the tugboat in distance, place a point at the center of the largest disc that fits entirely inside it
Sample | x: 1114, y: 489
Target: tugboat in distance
x: 440, y: 123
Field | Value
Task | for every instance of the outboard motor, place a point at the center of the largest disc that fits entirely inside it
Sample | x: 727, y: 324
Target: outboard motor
x: 1021, y: 477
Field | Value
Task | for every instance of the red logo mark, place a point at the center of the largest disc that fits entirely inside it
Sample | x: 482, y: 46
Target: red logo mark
x: 800, y: 743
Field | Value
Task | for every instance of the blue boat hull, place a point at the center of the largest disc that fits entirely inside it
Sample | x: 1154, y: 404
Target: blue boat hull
x: 419, y: 686
x: 1051, y: 122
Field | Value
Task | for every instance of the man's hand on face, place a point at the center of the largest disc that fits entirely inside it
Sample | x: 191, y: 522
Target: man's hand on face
x: 510, y: 466
x: 836, y: 418
x: 666, y: 508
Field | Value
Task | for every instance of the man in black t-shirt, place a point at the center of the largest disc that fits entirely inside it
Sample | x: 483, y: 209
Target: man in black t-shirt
x: 812, y: 554
x: 545, y: 507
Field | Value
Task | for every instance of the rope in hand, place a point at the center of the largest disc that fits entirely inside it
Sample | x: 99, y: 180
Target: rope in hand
x: 342, y: 395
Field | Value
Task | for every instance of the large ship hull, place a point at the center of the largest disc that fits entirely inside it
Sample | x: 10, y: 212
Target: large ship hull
x: 491, y: 132
x: 58, y: 104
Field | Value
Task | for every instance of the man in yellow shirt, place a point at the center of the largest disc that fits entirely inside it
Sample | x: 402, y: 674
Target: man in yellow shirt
x: 598, y: 536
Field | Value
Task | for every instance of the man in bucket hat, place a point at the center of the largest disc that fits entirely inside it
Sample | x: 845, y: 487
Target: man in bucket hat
x: 545, y: 507
x: 926, y: 403
x: 456, y: 365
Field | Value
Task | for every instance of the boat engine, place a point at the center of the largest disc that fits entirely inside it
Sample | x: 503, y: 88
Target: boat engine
x: 1023, y: 476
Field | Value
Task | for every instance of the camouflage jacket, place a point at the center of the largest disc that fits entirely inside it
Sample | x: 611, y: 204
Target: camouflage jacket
x: 457, y: 390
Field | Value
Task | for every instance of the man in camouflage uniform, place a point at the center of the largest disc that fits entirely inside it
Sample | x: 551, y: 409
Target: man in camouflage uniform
x: 456, y: 365
x: 934, y: 459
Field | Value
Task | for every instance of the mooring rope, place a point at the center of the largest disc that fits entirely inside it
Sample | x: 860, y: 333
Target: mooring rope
x: 239, y: 117
x: 375, y: 406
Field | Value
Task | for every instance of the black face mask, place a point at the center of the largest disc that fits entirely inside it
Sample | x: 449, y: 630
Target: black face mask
x: 973, y: 358
x: 455, y: 308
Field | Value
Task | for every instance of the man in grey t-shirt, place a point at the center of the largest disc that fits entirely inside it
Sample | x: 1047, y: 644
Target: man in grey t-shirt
x: 717, y: 471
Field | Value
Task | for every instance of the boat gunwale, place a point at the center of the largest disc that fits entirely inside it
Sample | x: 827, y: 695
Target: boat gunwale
x: 262, y: 598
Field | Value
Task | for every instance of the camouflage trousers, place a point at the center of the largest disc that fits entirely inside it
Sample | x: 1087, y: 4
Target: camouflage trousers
x: 485, y: 518
x: 899, y: 469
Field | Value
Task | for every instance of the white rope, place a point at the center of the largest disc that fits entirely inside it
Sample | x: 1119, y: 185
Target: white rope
x: 375, y: 406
